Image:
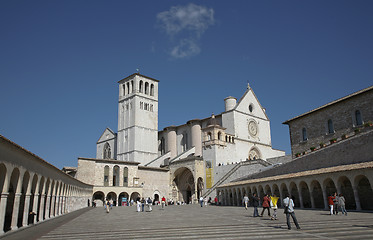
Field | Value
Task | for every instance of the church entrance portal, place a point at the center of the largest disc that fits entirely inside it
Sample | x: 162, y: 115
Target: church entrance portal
x: 183, y: 188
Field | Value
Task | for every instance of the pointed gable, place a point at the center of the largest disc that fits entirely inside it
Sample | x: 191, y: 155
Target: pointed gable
x: 107, y: 135
x: 250, y: 104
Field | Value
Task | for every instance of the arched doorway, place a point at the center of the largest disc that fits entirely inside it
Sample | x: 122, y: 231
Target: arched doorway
x: 112, y: 196
x: 365, y: 193
x: 317, y: 194
x: 123, y: 199
x: 305, y: 193
x: 294, y: 194
x: 184, y: 186
x: 98, y: 198
x: 10, y: 201
x: 347, y: 192
x: 134, y: 196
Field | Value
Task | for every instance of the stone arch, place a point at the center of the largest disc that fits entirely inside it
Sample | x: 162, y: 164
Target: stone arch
x: 24, y: 190
x: 260, y: 193
x: 112, y: 196
x: 305, y: 193
x: 284, y: 190
x: 183, y: 183
x: 120, y: 199
x: 267, y: 190
x: 239, y: 197
x: 141, y: 86
x: 254, y: 153
x: 330, y: 187
x: 347, y: 191
x: 134, y: 196
x: 365, y: 193
x: 316, y: 193
x: 33, y: 198
x: 293, y: 189
x: 146, y: 88
x: 12, y: 190
x: 3, y: 175
x: 107, y: 151
x: 98, y: 197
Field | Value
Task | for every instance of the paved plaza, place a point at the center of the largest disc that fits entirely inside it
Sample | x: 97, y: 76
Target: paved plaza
x: 194, y: 222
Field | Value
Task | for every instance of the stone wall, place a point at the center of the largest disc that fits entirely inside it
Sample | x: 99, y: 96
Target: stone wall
x: 342, y: 114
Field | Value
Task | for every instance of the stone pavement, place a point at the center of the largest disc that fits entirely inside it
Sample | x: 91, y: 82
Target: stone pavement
x: 194, y: 222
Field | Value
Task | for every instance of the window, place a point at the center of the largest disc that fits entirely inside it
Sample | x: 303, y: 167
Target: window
x: 251, y: 108
x: 219, y: 135
x: 133, y: 89
x: 146, y: 88
x: 128, y: 87
x: 140, y: 86
x: 125, y: 177
x: 107, y: 151
x: 304, y: 134
x: 184, y: 142
x: 330, y: 126
x: 116, y: 176
x: 124, y: 89
x: 209, y: 136
x: 106, y: 176
x: 358, y: 119
x: 152, y: 90
x: 162, y: 146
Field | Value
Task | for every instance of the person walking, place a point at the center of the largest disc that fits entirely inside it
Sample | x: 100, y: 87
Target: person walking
x: 107, y: 206
x: 246, y: 201
x: 138, y: 204
x: 201, y: 201
x: 265, y: 205
x: 142, y: 204
x: 331, y: 203
x: 335, y: 203
x: 289, y: 211
x: 163, y: 202
x: 273, y: 204
x: 149, y: 202
x: 255, y: 205
x: 342, y: 204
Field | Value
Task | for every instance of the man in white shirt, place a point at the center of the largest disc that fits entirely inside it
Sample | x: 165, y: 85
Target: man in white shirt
x: 246, y: 201
x: 289, y: 211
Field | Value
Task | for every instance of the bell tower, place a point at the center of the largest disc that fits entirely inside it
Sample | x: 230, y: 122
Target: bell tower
x: 137, y: 119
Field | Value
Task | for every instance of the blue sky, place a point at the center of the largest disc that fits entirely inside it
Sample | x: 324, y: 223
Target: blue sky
x: 60, y: 62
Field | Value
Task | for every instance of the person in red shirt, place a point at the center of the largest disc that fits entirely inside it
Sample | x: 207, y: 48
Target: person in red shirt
x: 163, y: 202
x: 331, y: 203
x: 265, y: 205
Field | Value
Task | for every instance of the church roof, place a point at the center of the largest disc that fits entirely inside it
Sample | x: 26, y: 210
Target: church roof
x: 138, y: 74
x: 331, y: 103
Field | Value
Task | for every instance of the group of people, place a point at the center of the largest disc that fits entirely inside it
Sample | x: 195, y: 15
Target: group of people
x: 270, y: 202
x: 337, y: 202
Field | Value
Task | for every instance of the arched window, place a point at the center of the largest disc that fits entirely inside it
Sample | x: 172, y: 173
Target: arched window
x: 124, y: 89
x: 128, y: 87
x: 125, y: 177
x: 304, y: 134
x: 106, y: 176
x: 226, y: 138
x: 133, y: 89
x: 184, y: 142
x: 152, y: 90
x: 209, y: 136
x: 146, y: 88
x: 162, y: 146
x: 330, y: 126
x: 219, y: 135
x: 140, y: 86
x: 358, y: 118
x: 116, y: 176
x: 107, y: 151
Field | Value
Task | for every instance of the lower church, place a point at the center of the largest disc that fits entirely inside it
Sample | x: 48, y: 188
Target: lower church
x: 181, y: 163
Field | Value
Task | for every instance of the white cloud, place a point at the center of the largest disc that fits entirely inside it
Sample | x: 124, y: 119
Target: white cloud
x: 192, y: 20
x: 185, y: 48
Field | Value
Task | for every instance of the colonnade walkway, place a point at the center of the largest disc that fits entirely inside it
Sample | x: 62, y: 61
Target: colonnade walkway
x: 194, y: 222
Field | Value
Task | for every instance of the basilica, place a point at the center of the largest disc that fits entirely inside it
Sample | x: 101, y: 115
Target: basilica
x: 181, y: 162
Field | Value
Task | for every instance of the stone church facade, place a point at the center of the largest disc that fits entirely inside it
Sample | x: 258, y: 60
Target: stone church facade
x: 179, y: 162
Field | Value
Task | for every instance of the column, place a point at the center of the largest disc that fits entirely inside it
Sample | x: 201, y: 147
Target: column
x: 26, y: 210
x: 171, y: 141
x: 357, y: 199
x: 300, y: 198
x: 279, y: 203
x: 325, y: 197
x: 41, y: 212
x: 312, y: 199
x: 17, y: 198
x: 35, y: 206
x: 47, y: 206
x: 3, y: 201
x: 53, y: 201
x: 196, y: 136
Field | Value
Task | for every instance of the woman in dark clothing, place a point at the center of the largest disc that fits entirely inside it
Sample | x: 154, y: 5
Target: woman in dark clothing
x: 255, y: 205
